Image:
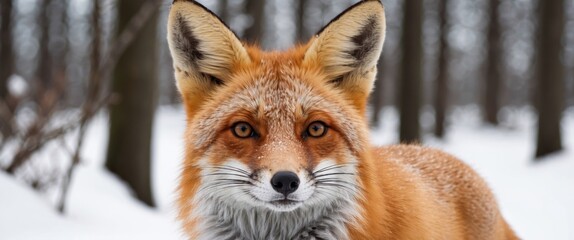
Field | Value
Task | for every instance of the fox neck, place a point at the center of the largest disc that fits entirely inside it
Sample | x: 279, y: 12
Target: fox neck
x: 225, y: 220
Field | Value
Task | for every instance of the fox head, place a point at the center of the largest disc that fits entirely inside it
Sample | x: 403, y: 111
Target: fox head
x: 279, y: 131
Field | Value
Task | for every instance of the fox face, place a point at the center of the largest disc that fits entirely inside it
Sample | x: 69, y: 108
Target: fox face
x: 277, y: 144
x: 272, y: 137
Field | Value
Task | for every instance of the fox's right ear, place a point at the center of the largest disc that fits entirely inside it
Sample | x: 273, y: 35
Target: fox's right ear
x: 348, y: 49
x: 204, y: 51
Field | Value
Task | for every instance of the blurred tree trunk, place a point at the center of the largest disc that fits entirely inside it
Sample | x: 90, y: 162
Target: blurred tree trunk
x: 59, y: 39
x: 256, y: 10
x: 6, y: 47
x: 493, y: 81
x: 223, y: 10
x: 441, y: 88
x: 93, y: 81
x: 411, y: 71
x: 550, y: 76
x: 44, y: 70
x: 300, y: 23
x: 131, y: 115
x: 377, y: 94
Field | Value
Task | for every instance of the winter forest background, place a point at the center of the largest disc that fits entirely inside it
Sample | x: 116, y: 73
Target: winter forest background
x: 91, y: 124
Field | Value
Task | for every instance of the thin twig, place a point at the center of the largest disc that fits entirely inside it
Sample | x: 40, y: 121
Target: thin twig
x: 125, y: 38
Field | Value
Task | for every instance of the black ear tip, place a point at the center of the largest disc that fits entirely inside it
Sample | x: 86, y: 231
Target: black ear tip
x: 379, y: 1
x: 346, y: 11
x: 208, y: 11
x: 174, y: 1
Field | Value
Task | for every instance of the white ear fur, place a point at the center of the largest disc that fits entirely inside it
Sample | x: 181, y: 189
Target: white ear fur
x: 351, y: 43
x: 200, y: 43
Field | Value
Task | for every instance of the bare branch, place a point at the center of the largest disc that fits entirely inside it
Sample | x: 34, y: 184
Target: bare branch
x: 92, y: 104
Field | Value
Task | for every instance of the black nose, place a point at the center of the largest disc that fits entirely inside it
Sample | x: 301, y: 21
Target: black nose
x: 285, y: 182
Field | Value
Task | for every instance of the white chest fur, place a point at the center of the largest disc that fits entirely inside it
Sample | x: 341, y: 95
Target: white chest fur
x: 221, y: 220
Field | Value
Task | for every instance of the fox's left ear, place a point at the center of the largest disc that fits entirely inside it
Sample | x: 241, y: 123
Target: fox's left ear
x: 348, y: 48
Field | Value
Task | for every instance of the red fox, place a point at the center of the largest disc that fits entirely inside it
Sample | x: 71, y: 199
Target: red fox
x: 277, y: 143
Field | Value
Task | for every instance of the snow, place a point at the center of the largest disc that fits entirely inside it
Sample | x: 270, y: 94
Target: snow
x: 17, y: 86
x: 537, y: 199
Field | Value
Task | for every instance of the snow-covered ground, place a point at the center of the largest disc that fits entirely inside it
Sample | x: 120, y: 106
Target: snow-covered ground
x: 536, y: 198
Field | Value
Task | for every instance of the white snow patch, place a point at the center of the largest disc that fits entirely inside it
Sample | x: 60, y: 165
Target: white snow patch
x: 17, y: 85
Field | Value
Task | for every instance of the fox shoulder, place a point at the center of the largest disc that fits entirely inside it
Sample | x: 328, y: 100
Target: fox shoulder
x: 444, y: 179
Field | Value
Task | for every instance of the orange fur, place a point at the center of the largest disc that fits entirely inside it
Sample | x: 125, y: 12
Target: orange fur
x: 406, y: 191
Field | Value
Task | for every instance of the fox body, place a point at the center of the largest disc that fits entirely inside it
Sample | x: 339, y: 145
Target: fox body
x: 277, y: 145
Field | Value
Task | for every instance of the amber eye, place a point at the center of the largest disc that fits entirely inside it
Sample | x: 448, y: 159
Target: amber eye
x: 317, y: 129
x: 242, y: 130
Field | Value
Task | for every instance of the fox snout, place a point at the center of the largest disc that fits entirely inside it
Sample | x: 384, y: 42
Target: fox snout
x: 285, y: 182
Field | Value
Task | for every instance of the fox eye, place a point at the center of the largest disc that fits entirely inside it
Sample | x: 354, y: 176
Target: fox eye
x: 242, y: 130
x: 316, y: 129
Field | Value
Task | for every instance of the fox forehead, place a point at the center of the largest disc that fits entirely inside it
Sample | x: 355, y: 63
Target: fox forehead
x: 278, y: 93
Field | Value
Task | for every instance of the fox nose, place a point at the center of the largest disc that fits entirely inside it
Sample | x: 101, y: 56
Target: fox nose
x: 285, y: 182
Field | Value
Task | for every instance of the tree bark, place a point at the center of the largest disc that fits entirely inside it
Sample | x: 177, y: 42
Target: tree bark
x: 300, y: 23
x: 131, y: 116
x: 44, y: 70
x: 377, y: 94
x: 411, y: 72
x: 6, y: 47
x: 256, y: 10
x: 493, y: 81
x: 95, y: 49
x: 223, y: 10
x: 441, y: 87
x: 550, y: 77
x: 59, y: 41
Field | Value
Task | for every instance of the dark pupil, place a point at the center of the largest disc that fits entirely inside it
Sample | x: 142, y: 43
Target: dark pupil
x: 243, y: 129
x: 316, y: 128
